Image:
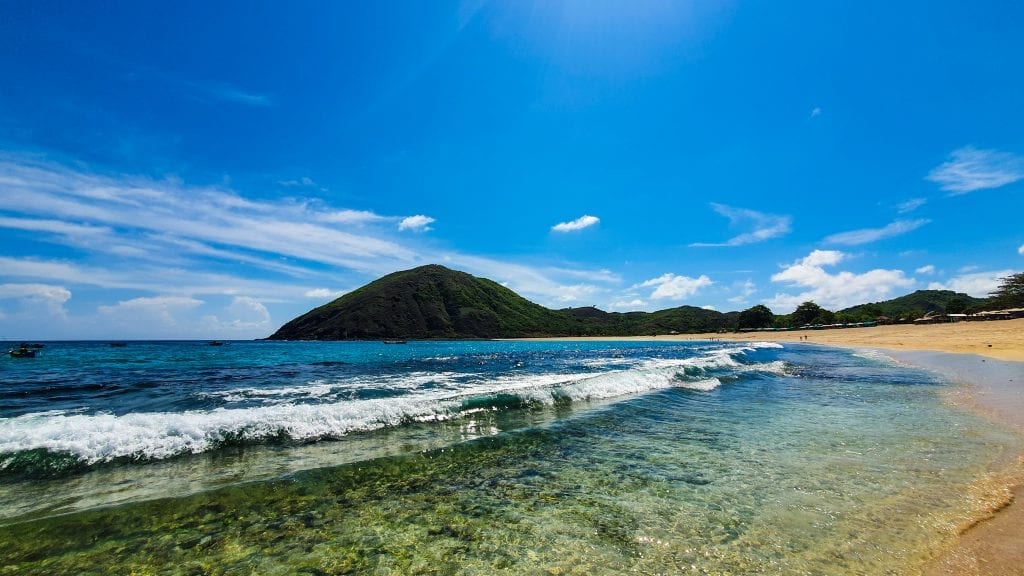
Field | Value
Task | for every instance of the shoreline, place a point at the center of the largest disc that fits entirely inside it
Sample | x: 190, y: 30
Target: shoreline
x: 999, y: 339
x: 987, y: 360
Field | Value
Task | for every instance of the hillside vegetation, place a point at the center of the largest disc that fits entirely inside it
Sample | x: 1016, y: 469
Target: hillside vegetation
x: 918, y: 304
x: 434, y: 302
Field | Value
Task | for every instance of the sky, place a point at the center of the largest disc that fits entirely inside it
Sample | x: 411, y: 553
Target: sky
x: 214, y: 169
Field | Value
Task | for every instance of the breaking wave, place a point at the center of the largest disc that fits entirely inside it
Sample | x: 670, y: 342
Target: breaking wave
x: 60, y: 442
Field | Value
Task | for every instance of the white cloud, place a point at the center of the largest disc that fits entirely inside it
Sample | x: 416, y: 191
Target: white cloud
x: 628, y: 305
x: 160, y: 238
x: 745, y: 288
x: 154, y: 303
x: 246, y: 313
x: 1021, y: 249
x: 35, y: 291
x: 147, y: 278
x: 417, y: 223
x: 816, y: 111
x: 708, y: 307
x: 351, y: 217
x: 928, y: 269
x: 166, y: 222
x: 156, y: 314
x: 764, y: 226
x: 672, y: 287
x: 580, y: 223
x: 46, y: 298
x: 833, y: 291
x: 576, y: 293
x: 55, y: 227
x: 910, y: 205
x: 304, y: 182
x: 970, y: 169
x: 977, y: 284
x: 323, y: 293
x: 602, y: 275
x: 866, y: 235
x: 551, y: 287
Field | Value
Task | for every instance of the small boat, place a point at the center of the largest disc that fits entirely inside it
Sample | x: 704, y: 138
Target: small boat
x: 28, y: 345
x: 395, y: 342
x: 22, y: 352
x: 216, y: 343
x: 118, y: 344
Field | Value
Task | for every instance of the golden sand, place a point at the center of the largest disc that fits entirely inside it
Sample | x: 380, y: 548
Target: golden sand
x: 994, y: 545
x: 1002, y: 339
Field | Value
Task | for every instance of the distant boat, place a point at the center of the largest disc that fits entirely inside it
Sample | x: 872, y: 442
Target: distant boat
x: 395, y: 342
x: 22, y: 352
x: 28, y: 345
x: 118, y: 344
x: 216, y: 343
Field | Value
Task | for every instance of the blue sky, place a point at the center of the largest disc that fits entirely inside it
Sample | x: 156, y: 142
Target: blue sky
x: 213, y: 169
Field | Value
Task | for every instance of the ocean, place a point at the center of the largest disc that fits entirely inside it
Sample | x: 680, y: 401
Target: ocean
x: 483, y: 457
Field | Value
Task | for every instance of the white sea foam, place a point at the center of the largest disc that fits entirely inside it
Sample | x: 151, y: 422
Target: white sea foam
x: 766, y: 345
x: 877, y: 356
x: 103, y: 437
x: 702, y: 385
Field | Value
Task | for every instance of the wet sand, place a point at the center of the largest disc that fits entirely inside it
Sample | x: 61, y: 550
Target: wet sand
x: 988, y: 359
x: 994, y: 545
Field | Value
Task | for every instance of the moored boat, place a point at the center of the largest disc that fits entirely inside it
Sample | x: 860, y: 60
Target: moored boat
x: 22, y: 352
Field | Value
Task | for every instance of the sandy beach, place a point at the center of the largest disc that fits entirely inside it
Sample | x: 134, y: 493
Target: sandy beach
x: 988, y: 358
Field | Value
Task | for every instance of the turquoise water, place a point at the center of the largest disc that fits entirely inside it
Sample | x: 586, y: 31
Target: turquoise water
x: 480, y: 458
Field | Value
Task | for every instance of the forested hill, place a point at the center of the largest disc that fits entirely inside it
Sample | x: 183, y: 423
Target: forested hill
x: 917, y: 304
x: 434, y: 302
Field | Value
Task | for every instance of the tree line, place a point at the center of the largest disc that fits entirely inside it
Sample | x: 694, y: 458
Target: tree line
x: 1009, y: 294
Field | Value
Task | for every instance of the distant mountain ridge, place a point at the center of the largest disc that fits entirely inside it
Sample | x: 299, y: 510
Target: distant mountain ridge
x: 918, y: 303
x: 434, y: 302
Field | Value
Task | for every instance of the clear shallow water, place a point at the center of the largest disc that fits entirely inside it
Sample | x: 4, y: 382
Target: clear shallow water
x: 479, y: 457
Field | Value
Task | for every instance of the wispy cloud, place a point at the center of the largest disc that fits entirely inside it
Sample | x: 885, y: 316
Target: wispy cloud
x: 304, y: 182
x: 230, y: 93
x: 213, y: 222
x: 969, y: 169
x: 1021, y: 249
x: 910, y: 205
x: 585, y: 221
x: 833, y: 290
x: 324, y: 293
x: 867, y: 235
x: 763, y: 226
x: 927, y: 269
x: 815, y: 112
x: 166, y: 238
x: 745, y: 290
x: 201, y: 90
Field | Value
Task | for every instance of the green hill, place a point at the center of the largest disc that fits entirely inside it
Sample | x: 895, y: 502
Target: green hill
x: 427, y: 302
x: 916, y: 304
x: 434, y: 302
x: 684, y: 320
